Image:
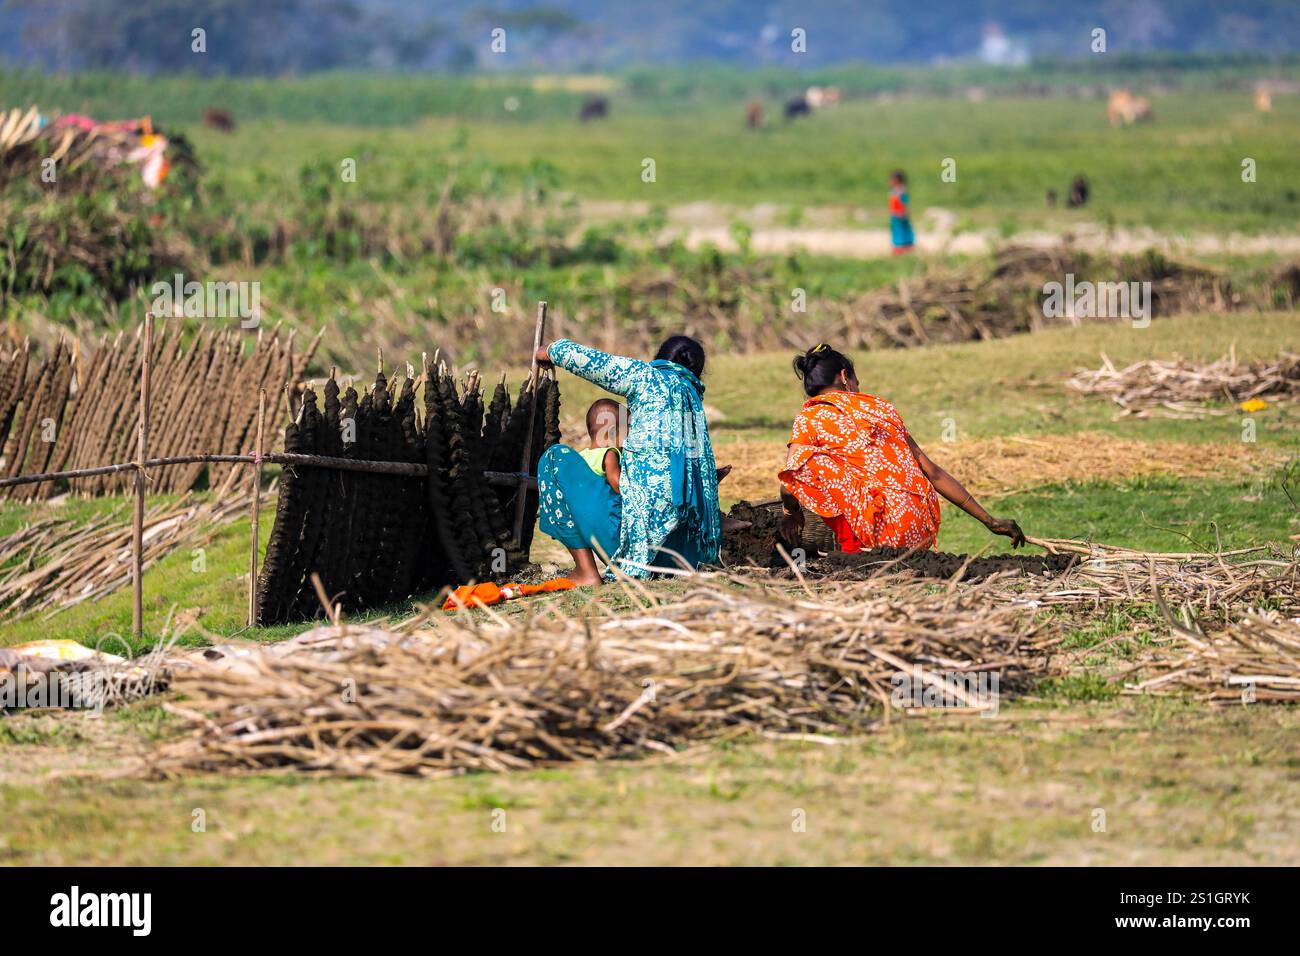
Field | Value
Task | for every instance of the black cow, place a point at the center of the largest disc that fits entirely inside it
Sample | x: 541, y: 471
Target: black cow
x: 594, y: 107
x: 797, y: 107
x: 1078, y: 192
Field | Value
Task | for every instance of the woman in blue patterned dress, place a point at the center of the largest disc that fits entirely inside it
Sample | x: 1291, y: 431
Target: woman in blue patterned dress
x: 669, y: 483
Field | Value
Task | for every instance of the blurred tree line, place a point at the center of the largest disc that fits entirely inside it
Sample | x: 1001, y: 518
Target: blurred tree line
x: 239, y: 36
x: 280, y: 36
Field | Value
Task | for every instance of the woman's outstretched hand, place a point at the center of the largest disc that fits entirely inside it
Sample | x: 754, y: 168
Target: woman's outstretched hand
x: 1007, y: 528
x: 543, y: 356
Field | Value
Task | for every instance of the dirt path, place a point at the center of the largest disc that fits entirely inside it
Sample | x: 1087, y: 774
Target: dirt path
x: 850, y: 233
x: 871, y: 244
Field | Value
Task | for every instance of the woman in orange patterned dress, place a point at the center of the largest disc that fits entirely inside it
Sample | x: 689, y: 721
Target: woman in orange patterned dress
x: 852, y: 462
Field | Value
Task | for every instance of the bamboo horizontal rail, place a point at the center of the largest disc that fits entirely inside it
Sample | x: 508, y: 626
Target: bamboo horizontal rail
x: 412, y: 469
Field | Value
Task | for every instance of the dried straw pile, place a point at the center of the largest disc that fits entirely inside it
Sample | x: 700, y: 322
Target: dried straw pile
x: 727, y: 656
x: 1182, y: 389
x: 1214, y: 641
x: 998, y: 466
x: 1205, y: 586
x: 84, y: 156
x: 730, y: 656
x: 1254, y: 659
x: 743, y: 306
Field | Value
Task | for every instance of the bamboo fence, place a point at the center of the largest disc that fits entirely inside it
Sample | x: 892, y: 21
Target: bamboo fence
x: 446, y: 476
x: 70, y: 412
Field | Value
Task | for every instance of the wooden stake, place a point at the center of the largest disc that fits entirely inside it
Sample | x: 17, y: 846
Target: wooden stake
x: 142, y: 455
x: 525, y: 465
x: 256, y: 507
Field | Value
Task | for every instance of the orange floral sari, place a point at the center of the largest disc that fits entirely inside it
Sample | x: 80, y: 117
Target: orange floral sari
x: 848, y: 456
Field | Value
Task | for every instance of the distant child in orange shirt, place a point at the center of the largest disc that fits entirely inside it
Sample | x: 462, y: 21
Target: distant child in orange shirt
x: 900, y: 218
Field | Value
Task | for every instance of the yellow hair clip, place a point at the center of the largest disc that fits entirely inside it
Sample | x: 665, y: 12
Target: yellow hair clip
x: 818, y: 348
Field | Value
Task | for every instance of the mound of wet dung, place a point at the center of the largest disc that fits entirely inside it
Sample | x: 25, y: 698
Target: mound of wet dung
x: 937, y: 564
x: 756, y: 546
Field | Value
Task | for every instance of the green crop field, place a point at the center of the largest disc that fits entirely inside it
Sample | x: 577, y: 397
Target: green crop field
x: 353, y: 241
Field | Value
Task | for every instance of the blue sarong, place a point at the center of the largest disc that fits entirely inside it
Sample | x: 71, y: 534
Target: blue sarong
x: 900, y: 231
x: 577, y: 505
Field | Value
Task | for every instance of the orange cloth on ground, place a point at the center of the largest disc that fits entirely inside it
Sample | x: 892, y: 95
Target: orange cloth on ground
x: 848, y: 455
x: 481, y: 595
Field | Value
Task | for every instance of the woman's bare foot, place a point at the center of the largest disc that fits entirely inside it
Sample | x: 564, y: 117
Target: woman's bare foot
x: 585, y: 573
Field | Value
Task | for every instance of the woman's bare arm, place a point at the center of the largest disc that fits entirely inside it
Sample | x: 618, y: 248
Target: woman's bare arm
x: 613, y: 469
x: 954, y: 491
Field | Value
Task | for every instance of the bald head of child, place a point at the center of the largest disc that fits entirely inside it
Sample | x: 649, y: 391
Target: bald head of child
x: 606, y: 423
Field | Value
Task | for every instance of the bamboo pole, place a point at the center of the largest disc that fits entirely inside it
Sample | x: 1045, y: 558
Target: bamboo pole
x: 142, y: 455
x: 256, y: 502
x: 521, y: 496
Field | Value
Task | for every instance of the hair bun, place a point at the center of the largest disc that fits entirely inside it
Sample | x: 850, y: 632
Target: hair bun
x: 819, y: 367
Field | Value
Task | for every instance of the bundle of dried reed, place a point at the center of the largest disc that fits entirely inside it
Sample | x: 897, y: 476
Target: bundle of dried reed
x: 1183, y: 389
x: 727, y: 657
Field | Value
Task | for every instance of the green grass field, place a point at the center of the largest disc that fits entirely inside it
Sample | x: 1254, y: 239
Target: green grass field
x: 1179, y: 783
x: 1177, y: 179
x: 1181, y: 173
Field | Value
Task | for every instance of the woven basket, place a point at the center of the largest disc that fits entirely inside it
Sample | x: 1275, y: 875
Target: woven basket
x: 815, y: 531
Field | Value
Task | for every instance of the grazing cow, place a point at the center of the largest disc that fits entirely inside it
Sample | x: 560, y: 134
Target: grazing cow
x: 754, y: 114
x: 594, y: 107
x: 797, y: 107
x: 1125, y: 109
x: 1078, y: 192
x: 219, y: 120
